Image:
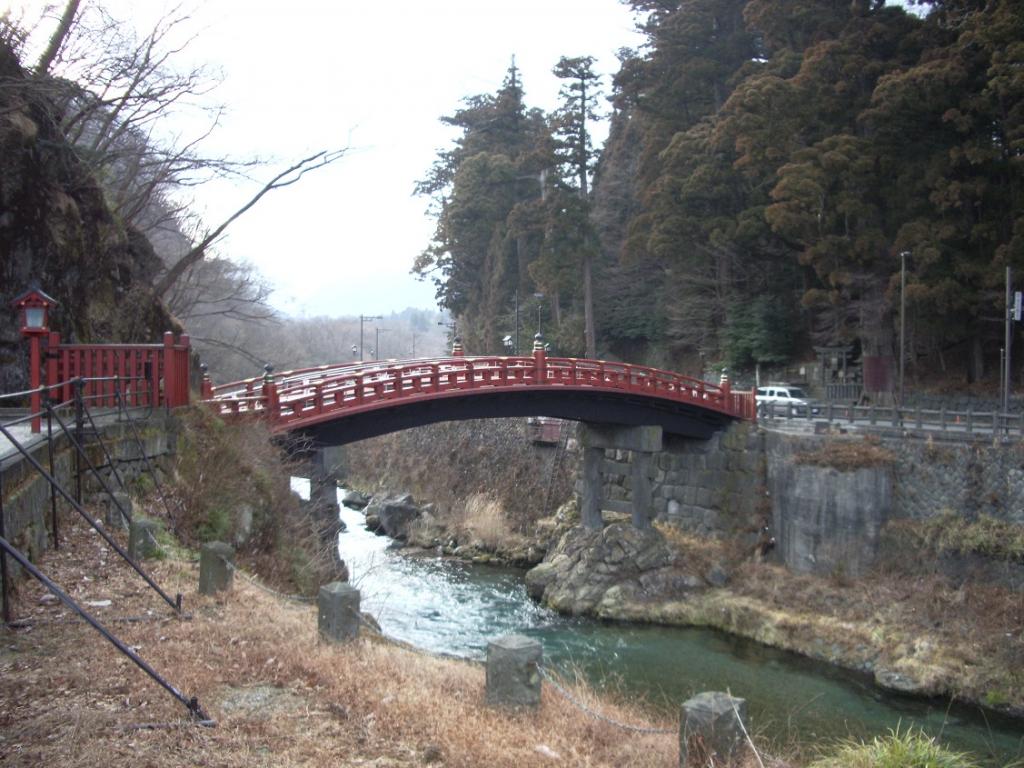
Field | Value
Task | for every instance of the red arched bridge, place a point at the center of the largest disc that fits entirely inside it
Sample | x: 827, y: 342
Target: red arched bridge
x: 339, y: 404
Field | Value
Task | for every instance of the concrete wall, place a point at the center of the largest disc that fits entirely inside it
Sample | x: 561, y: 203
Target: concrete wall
x: 823, y: 520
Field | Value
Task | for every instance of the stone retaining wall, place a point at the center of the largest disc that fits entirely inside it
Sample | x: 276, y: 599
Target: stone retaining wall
x: 26, y: 494
x: 931, y: 477
x: 822, y: 519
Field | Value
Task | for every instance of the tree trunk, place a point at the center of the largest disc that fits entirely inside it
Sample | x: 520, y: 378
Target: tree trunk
x: 588, y: 309
x: 58, y: 38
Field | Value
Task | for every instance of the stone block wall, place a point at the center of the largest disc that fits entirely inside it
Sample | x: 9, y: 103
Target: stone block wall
x: 709, y: 487
x: 824, y: 520
x: 933, y: 476
x: 26, y: 494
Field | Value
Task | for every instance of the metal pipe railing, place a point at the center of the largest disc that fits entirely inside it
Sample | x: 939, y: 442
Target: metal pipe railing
x: 176, y: 603
x: 191, y: 703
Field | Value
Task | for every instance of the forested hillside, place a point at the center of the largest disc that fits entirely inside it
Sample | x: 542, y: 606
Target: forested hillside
x: 768, y: 162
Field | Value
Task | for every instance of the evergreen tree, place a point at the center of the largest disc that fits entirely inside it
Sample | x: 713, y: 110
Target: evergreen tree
x: 571, y: 127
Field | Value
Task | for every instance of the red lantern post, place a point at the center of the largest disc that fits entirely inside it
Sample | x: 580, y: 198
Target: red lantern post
x: 34, y: 306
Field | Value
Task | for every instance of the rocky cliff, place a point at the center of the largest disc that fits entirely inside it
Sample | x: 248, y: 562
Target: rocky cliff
x: 56, y: 229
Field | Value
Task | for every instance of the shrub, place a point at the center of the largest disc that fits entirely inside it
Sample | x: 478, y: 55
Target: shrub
x: 847, y: 455
x: 232, y: 483
x: 909, y: 749
x: 953, y: 533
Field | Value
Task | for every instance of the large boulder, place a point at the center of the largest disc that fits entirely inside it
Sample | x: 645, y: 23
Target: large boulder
x: 355, y: 500
x: 595, y: 571
x: 396, y: 515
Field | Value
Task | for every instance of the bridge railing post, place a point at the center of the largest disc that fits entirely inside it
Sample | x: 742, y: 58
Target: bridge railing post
x: 207, y: 386
x: 540, y: 364
x: 270, y: 401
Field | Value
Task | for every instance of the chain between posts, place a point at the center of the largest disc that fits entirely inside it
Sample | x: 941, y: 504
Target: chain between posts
x: 296, y: 598
x: 604, y: 718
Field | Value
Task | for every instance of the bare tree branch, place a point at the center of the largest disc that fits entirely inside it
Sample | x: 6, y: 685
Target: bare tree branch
x: 286, y: 178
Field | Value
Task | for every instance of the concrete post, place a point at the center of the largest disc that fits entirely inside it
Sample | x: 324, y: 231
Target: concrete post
x: 338, y: 612
x: 216, y: 568
x: 641, y: 470
x: 715, y: 719
x: 513, y: 671
x: 592, y: 488
x: 112, y: 515
x: 142, y: 538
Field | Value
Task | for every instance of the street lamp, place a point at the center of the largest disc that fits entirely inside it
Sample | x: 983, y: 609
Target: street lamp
x: 363, y: 319
x: 508, y: 344
x: 34, y: 306
x: 355, y: 352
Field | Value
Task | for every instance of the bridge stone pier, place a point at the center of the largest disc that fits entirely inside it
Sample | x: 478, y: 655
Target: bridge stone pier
x: 643, y: 442
x: 322, y: 469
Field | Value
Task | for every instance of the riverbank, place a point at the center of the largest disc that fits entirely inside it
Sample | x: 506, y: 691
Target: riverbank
x: 915, y: 634
x: 279, y: 696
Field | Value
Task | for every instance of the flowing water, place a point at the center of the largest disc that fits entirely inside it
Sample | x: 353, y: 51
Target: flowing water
x: 448, y: 607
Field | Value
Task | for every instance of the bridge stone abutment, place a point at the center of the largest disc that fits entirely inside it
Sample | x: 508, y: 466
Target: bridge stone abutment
x: 642, y: 443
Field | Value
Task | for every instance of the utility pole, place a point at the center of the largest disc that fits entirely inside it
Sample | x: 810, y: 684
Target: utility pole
x: 903, y: 317
x: 363, y: 319
x: 377, y: 330
x: 414, y: 344
x: 517, y: 323
x: 1008, y: 340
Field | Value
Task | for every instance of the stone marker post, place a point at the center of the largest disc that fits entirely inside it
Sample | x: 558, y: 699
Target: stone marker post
x: 718, y: 720
x: 513, y: 671
x: 142, y: 538
x: 338, y: 615
x: 216, y: 568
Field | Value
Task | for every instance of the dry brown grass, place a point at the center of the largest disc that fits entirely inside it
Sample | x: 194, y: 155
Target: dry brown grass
x: 66, y: 696
x: 485, y: 521
x: 976, y: 628
x: 698, y: 553
x: 847, y: 455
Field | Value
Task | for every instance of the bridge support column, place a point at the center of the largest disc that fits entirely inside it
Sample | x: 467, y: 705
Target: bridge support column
x: 642, y: 442
x: 323, y: 485
x: 593, y: 492
x: 641, y: 475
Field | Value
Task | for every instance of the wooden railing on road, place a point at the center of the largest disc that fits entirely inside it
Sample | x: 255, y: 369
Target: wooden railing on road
x: 146, y: 374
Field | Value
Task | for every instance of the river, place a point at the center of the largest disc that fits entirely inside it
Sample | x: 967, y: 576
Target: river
x: 444, y: 606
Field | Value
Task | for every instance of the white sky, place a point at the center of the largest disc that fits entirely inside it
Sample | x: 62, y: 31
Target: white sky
x: 306, y: 75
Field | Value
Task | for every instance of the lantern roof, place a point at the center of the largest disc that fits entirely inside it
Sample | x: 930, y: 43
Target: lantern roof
x: 34, y: 296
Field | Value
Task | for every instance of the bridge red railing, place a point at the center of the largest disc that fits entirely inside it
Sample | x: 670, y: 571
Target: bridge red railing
x: 295, y: 399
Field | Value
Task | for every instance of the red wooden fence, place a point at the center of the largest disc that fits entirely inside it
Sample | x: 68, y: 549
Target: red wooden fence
x: 144, y: 374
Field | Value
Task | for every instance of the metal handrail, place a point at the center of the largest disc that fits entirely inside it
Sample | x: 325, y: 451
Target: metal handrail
x: 191, y: 703
x: 176, y: 603
x: 954, y: 422
x: 147, y: 462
